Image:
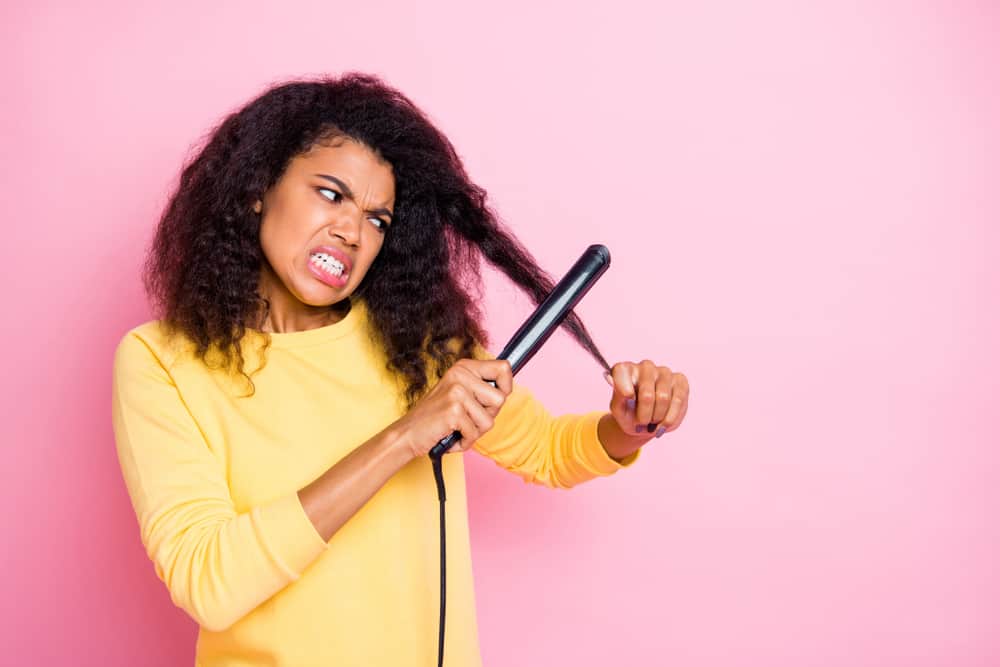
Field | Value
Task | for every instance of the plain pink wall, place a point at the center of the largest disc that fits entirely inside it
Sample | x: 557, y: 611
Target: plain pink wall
x: 801, y: 202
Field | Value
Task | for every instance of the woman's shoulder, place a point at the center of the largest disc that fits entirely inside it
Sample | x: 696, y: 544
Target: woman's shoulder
x: 152, y: 342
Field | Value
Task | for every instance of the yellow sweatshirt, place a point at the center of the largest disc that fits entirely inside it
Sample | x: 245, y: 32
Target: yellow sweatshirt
x: 213, y: 478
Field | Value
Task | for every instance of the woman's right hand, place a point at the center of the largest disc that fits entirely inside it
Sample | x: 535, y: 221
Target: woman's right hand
x: 462, y: 400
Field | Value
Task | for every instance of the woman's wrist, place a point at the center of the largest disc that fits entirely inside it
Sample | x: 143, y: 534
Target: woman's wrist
x: 395, y: 438
x: 617, y: 443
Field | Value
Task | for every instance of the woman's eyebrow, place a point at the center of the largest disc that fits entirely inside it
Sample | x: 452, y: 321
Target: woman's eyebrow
x: 350, y: 195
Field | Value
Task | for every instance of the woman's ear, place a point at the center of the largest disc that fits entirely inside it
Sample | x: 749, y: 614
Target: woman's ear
x: 257, y: 206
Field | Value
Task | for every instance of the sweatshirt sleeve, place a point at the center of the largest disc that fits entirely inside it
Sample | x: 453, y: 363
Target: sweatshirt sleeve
x: 558, y: 452
x: 217, y: 564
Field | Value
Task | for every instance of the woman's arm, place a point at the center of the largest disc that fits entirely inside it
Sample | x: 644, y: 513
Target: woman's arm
x: 219, y: 563
x: 338, y: 494
x: 460, y: 401
x: 555, y: 451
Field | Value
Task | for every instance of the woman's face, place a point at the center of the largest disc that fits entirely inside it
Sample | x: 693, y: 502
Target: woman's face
x: 324, y: 221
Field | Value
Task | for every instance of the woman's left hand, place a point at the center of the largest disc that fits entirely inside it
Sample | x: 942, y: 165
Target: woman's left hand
x: 648, y: 400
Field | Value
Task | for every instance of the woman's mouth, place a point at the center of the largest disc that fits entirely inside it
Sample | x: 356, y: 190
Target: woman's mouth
x: 328, y: 269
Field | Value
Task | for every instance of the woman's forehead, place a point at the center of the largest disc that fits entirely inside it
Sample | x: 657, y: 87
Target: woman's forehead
x: 348, y: 155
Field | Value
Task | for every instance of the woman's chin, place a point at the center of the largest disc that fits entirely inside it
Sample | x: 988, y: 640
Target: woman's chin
x: 321, y: 295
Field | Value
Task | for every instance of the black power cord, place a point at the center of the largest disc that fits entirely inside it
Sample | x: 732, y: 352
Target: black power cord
x: 439, y: 478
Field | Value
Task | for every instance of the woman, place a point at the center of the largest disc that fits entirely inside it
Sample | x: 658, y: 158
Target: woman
x: 327, y: 236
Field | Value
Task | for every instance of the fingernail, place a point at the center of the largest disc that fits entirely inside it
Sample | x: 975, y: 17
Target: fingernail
x: 639, y: 428
x: 630, y: 404
x: 607, y: 378
x: 660, y: 431
x: 650, y: 427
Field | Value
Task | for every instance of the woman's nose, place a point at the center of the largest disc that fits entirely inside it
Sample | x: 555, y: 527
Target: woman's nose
x: 348, y: 228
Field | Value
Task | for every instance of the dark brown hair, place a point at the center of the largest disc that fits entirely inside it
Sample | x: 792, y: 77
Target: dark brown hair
x: 203, y: 266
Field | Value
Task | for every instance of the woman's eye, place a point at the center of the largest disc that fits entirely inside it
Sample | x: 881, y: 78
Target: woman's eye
x: 322, y: 190
x: 380, y: 223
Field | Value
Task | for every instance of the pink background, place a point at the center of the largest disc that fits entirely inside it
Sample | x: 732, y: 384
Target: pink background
x: 802, y: 207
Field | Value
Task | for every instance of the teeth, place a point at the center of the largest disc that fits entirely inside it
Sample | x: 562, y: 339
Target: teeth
x: 327, y: 263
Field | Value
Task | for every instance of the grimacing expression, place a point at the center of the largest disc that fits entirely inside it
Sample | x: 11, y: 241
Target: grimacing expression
x: 339, y: 195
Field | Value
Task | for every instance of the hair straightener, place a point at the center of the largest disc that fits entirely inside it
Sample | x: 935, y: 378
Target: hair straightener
x: 522, y: 346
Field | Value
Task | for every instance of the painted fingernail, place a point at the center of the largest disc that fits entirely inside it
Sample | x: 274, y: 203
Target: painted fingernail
x: 630, y: 404
x: 639, y: 428
x: 660, y: 431
x: 650, y: 427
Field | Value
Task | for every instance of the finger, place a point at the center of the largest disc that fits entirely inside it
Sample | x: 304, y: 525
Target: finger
x: 675, y: 410
x: 664, y: 390
x: 464, y: 425
x: 645, y: 392
x: 484, y: 392
x: 498, y: 370
x: 480, y: 418
x: 680, y: 417
x: 505, y: 376
x: 679, y: 402
x: 622, y: 375
x: 487, y: 395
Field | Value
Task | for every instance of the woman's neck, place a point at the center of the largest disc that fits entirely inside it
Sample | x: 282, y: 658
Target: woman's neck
x: 285, y: 322
x: 287, y: 314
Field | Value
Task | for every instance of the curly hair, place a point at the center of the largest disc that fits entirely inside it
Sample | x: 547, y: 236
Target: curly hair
x: 203, y: 266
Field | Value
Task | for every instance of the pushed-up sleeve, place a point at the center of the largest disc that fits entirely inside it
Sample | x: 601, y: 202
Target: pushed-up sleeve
x: 555, y: 451
x: 218, y: 564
